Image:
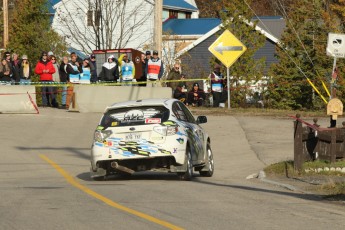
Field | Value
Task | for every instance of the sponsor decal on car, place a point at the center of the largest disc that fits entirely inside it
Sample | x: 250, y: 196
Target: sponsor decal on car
x: 180, y: 140
x: 180, y: 133
x: 134, y: 115
x: 99, y: 127
x: 108, y: 143
x: 169, y: 123
x: 152, y: 121
x: 99, y: 144
x: 164, y: 151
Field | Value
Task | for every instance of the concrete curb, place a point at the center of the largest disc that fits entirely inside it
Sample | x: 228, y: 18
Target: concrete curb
x: 262, y: 177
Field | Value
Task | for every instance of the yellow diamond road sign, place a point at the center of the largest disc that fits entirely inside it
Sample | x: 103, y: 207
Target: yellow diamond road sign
x: 227, y: 48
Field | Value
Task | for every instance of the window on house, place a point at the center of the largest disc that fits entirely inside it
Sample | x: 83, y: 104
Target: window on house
x: 98, y: 18
x: 93, y: 17
x: 188, y: 15
x: 89, y: 17
x: 173, y: 14
x: 165, y: 15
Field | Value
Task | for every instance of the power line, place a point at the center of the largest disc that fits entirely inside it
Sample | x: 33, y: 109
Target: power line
x: 286, y: 52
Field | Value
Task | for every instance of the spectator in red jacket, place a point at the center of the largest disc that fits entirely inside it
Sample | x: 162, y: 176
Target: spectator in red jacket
x: 45, y: 70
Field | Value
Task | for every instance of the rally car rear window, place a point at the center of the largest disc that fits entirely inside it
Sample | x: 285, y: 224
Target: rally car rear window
x: 142, y: 115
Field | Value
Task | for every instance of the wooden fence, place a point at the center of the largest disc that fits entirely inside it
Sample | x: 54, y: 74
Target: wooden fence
x: 312, y: 142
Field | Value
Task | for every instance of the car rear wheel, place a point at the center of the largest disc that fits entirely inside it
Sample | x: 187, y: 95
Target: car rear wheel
x: 189, y: 172
x: 210, y: 163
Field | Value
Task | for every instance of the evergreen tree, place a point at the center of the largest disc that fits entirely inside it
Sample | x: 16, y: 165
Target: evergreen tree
x: 30, y: 31
x: 246, y: 70
x: 302, y: 56
x: 338, y: 9
x: 212, y: 9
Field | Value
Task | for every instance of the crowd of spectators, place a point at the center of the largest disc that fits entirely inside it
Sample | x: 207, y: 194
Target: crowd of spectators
x: 15, y: 70
x: 214, y: 94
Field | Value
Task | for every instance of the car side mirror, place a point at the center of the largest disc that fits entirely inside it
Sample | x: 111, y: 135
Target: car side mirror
x: 201, y: 119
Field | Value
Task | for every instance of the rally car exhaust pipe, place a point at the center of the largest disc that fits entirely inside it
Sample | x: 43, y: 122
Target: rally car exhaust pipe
x: 118, y: 167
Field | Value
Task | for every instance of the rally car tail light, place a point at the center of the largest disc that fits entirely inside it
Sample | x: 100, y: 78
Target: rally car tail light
x: 101, y: 135
x: 166, y: 130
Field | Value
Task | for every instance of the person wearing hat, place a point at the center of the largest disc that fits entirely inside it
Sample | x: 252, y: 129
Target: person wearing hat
x: 73, y: 69
x: 196, y: 96
x: 25, y: 71
x: 50, y: 54
x: 217, y: 87
x: 110, y: 70
x: 45, y: 69
x: 127, y: 70
x: 93, y: 67
x: 154, y: 70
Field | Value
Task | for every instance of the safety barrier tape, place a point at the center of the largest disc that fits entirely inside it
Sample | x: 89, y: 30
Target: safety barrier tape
x: 33, y: 103
x: 304, y: 122
x: 111, y: 83
x: 315, y: 127
x: 63, y: 84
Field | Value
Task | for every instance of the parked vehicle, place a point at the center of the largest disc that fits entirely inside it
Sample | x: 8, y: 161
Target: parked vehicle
x: 151, y: 134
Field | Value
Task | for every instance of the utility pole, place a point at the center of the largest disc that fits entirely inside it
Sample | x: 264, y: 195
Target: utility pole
x: 157, y: 36
x: 5, y: 11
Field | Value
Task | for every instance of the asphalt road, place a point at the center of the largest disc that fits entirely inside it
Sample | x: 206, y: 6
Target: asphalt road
x: 44, y: 181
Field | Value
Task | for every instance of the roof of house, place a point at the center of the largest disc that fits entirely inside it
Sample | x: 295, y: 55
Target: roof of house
x: 275, y: 25
x: 167, y: 4
x: 51, y: 3
x: 271, y: 27
x: 197, y: 26
x: 178, y: 5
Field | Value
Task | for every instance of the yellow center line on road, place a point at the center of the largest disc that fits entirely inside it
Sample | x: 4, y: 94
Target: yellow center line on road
x: 70, y: 179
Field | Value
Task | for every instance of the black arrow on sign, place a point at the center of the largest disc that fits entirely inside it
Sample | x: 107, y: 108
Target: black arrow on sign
x: 220, y: 48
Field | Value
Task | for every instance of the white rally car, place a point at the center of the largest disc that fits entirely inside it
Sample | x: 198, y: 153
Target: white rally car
x: 151, y: 134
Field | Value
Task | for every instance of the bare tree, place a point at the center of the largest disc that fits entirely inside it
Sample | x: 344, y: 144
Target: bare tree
x: 104, y: 24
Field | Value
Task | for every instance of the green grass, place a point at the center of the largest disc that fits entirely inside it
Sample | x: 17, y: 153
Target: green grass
x: 281, y: 168
x: 332, y: 188
x: 255, y: 112
x: 322, y: 164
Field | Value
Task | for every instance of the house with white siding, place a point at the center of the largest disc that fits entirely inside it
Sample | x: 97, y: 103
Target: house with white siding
x: 96, y: 24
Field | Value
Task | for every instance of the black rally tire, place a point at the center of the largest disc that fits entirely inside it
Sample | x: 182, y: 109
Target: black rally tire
x: 189, y: 172
x: 210, y: 163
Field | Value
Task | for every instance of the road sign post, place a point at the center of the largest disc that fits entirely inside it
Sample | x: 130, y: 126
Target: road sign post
x: 227, y: 49
x: 335, y: 49
x: 228, y: 85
